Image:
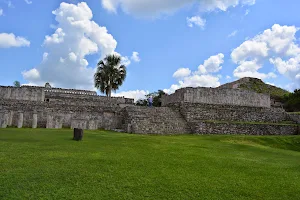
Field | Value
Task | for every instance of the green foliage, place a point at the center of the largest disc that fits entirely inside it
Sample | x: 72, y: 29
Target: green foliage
x: 110, y: 74
x: 48, y: 164
x: 292, y: 101
x: 156, y: 99
x: 17, y: 84
x: 141, y: 102
x: 283, y: 123
x: 259, y: 86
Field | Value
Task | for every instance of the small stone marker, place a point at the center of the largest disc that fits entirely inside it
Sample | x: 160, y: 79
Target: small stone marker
x: 78, y: 134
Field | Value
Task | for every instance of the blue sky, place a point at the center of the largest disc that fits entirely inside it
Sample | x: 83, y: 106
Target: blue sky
x: 165, y: 44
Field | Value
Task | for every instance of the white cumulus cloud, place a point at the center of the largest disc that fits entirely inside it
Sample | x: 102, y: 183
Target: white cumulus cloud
x: 157, y: 7
x: 8, y: 40
x: 135, y: 57
x: 76, y: 36
x: 212, y: 64
x: 182, y: 72
x: 28, y: 2
x: 196, y: 20
x: 277, y: 45
x: 1, y: 12
x: 133, y: 94
x: 203, y: 77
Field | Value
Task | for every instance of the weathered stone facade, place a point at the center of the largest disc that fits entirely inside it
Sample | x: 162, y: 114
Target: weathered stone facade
x: 39, y: 107
x: 163, y: 120
x: 187, y: 111
x: 217, y: 96
x: 194, y: 112
x: 246, y: 129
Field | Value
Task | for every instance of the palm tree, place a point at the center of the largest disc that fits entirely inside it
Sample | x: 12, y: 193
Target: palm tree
x: 17, y: 84
x: 110, y: 74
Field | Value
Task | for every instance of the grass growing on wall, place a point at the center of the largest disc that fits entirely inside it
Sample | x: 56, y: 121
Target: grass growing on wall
x: 259, y: 86
x: 294, y: 113
x: 283, y: 123
x: 47, y: 164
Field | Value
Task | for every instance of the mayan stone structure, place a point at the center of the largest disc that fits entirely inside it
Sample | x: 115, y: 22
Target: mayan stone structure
x: 187, y: 111
x: 40, y: 107
x: 211, y: 111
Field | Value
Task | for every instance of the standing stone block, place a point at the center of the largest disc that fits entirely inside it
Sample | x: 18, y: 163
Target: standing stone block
x: 34, y: 121
x: 10, y: 118
x: 20, y: 120
x: 58, y: 123
x: 49, y: 121
x: 92, y: 125
x: 78, y: 134
x: 4, y: 120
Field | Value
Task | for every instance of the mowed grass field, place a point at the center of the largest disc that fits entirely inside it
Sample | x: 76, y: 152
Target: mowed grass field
x: 48, y: 164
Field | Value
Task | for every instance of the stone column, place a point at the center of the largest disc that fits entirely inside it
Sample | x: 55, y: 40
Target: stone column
x: 58, y: 122
x: 49, y: 121
x: 10, y: 118
x: 20, y: 120
x: 34, y: 120
x: 4, y: 120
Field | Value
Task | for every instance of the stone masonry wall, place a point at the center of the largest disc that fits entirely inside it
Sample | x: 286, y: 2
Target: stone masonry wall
x: 22, y: 93
x: 161, y: 120
x: 53, y: 115
x: 247, y: 129
x: 195, y: 112
x: 218, y: 96
x: 294, y: 117
x: 81, y: 99
x: 30, y: 106
x: 70, y: 91
x: 31, y: 93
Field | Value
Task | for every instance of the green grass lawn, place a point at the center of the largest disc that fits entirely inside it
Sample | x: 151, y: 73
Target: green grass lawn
x: 47, y: 164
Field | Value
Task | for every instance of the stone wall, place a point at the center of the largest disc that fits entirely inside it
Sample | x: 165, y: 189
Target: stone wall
x: 22, y: 93
x: 71, y: 91
x: 32, y: 93
x: 52, y: 115
x: 30, y: 106
x: 145, y: 120
x: 247, y: 129
x: 294, y: 117
x: 81, y: 99
x: 218, y: 96
x: 193, y: 112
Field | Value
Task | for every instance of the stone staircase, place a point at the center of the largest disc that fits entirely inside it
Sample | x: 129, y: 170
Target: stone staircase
x: 162, y: 120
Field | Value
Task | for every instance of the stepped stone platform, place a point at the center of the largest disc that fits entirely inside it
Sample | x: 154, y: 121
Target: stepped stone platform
x: 145, y: 120
x: 187, y: 111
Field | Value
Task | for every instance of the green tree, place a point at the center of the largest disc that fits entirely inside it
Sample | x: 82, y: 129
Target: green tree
x: 17, y: 84
x: 110, y: 74
x: 292, y: 101
x: 156, y: 99
x: 141, y: 102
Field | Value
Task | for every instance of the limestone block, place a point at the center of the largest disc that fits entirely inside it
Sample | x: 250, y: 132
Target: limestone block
x: 58, y: 123
x: 20, y: 120
x: 49, y: 121
x: 79, y: 123
x: 34, y: 121
x: 10, y: 118
x: 92, y: 125
x: 3, y: 120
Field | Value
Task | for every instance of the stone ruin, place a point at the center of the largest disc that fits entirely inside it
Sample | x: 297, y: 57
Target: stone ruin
x: 40, y: 107
x: 187, y: 111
